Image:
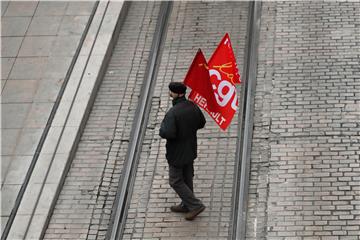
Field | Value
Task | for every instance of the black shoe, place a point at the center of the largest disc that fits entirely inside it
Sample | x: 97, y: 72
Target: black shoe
x: 192, y: 215
x: 179, y: 208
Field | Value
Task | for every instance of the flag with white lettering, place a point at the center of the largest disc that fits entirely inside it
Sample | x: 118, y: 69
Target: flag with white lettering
x: 223, y: 75
x: 198, y: 79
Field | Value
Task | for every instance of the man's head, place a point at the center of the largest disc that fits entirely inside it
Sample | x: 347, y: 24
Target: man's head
x: 177, y: 89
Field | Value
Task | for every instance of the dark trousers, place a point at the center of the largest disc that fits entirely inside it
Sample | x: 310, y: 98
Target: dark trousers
x: 181, y: 180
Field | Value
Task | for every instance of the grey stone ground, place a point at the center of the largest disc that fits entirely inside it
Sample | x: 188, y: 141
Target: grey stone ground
x: 84, y: 206
x: 192, y: 25
x: 305, y: 171
x: 38, y: 42
x: 305, y: 176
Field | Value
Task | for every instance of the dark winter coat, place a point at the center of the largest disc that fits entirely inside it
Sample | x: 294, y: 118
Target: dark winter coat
x: 179, y: 128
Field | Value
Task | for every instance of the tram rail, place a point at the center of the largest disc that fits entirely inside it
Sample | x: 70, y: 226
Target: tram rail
x: 139, y: 126
x: 243, y: 146
x: 120, y: 208
x: 91, y: 205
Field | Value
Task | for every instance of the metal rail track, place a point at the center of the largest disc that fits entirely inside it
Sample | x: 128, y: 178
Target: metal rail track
x: 238, y: 230
x: 127, y: 179
x: 243, y: 146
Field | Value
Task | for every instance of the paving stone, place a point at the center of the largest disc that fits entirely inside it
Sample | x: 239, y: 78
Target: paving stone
x: 5, y: 164
x: 3, y: 223
x: 6, y: 66
x: 19, y: 91
x: 28, y: 68
x: 300, y: 133
x: 36, y: 46
x: 8, y: 146
x: 73, y: 25
x: 47, y: 90
x: 21, y: 8
x: 41, y: 26
x: 3, y: 83
x: 36, y: 77
x: 4, y: 6
x: 9, y: 193
x: 79, y: 8
x: 10, y: 46
x: 15, y: 114
x: 51, y: 8
x: 14, y: 26
x: 28, y: 141
x: 57, y: 67
x: 38, y: 115
x: 17, y: 170
x: 65, y: 45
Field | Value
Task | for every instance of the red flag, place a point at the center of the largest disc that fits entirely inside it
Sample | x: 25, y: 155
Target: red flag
x: 198, y: 79
x: 223, y: 76
x: 223, y: 60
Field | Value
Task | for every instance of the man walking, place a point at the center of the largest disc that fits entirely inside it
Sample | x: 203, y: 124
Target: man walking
x: 179, y: 128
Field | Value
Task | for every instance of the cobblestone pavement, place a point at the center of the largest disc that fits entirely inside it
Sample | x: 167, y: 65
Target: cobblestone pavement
x: 192, y: 25
x: 305, y: 169
x: 84, y: 206
x: 85, y: 202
